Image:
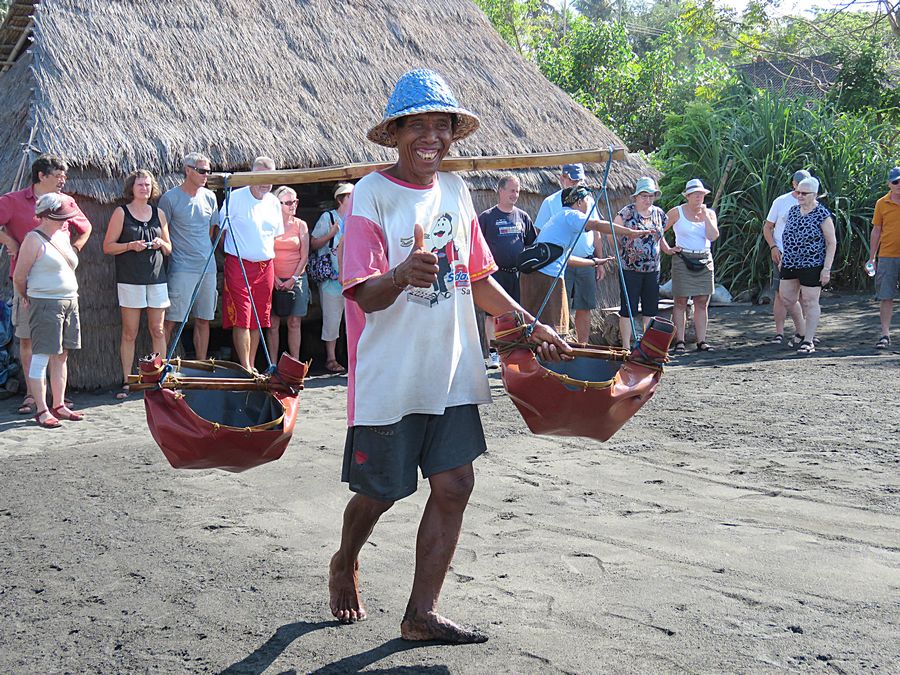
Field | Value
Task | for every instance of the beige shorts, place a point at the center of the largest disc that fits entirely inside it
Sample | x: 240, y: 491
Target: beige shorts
x: 20, y: 317
x: 54, y: 325
x: 140, y: 296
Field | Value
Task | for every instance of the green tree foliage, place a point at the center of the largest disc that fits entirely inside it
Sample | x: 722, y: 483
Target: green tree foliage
x: 594, y: 62
x: 769, y: 136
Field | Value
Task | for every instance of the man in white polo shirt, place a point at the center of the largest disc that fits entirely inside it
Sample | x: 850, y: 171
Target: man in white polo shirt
x: 253, y: 218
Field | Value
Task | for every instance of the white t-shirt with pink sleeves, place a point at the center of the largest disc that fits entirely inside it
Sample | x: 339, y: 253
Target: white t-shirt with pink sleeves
x: 422, y: 354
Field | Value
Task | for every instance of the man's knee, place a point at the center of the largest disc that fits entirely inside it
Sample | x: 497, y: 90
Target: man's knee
x: 293, y: 322
x: 372, y: 507
x: 454, y: 486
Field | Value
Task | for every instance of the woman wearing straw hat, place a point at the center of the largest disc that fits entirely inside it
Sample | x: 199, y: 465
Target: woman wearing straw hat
x: 414, y: 266
x: 693, y: 275
x: 641, y: 256
x: 45, y: 279
x: 809, y: 246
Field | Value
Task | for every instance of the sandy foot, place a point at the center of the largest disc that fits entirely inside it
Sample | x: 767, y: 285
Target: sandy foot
x: 343, y: 587
x: 433, y: 627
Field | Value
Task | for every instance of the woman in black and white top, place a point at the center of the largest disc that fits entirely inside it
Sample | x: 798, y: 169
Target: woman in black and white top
x: 809, y: 247
x: 138, y: 235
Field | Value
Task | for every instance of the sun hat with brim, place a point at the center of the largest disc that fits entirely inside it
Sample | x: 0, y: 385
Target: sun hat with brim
x: 646, y: 184
x: 694, y: 185
x: 417, y: 92
x: 343, y: 189
x: 51, y: 206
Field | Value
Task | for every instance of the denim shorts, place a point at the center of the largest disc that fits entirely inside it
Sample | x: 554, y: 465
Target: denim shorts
x: 381, y: 461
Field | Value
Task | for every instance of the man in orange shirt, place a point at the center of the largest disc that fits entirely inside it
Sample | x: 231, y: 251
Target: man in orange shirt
x: 885, y: 241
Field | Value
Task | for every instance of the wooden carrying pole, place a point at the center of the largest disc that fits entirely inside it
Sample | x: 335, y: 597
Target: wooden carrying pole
x: 330, y: 174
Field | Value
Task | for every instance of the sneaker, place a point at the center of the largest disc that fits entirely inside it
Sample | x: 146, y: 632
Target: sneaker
x: 493, y: 360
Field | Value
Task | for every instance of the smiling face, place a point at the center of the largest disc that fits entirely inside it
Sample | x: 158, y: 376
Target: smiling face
x: 422, y: 142
x: 441, y: 232
x: 508, y: 195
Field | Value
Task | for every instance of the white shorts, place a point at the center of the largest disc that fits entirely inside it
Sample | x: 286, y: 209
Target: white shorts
x: 181, y: 287
x: 139, y: 296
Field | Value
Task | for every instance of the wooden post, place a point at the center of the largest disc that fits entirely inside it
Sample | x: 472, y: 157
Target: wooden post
x: 331, y: 174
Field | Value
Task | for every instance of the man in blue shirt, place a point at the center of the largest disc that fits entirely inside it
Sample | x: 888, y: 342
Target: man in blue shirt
x: 581, y: 282
x: 507, y: 230
x: 563, y: 229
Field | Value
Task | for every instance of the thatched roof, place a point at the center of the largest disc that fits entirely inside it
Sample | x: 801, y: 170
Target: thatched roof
x: 812, y: 76
x: 114, y: 86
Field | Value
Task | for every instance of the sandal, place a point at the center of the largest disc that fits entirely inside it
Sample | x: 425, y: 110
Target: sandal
x: 335, y: 367
x: 777, y: 339
x: 63, y: 413
x: 797, y: 340
x: 806, y: 348
x: 28, y: 406
x: 123, y: 394
x: 679, y: 348
x: 705, y: 347
x: 883, y: 343
x: 49, y: 423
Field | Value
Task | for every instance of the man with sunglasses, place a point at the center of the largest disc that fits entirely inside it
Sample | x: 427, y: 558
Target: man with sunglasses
x: 193, y: 217
x: 885, y: 242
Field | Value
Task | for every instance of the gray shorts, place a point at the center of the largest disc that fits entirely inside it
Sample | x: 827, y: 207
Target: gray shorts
x: 887, y: 277
x: 54, y: 325
x: 20, y: 317
x: 380, y: 462
x: 581, y: 287
x: 301, y: 297
x: 181, y: 288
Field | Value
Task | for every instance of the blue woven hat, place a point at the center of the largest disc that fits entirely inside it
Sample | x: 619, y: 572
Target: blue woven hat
x: 422, y: 91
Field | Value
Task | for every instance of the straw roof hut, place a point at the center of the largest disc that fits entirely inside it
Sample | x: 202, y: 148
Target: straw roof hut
x: 114, y: 86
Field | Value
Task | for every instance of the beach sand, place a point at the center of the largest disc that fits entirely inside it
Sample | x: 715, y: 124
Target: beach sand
x: 747, y: 519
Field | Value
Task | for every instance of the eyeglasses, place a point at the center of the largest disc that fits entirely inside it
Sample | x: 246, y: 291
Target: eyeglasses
x: 290, y: 203
x: 202, y: 172
x: 797, y: 192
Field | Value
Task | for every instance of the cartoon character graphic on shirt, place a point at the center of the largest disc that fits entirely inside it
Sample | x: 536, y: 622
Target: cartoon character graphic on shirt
x: 439, y: 239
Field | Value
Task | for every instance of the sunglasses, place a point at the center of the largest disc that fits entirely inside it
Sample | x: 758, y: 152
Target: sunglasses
x: 202, y: 172
x: 797, y: 192
x: 290, y: 203
x: 895, y: 182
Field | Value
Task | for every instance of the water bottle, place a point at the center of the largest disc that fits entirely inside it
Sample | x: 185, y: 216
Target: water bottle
x: 870, y: 268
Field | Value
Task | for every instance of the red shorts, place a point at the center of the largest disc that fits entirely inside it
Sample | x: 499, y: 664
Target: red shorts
x: 236, y: 309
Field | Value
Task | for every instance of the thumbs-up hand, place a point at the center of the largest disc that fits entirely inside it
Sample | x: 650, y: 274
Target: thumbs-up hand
x: 420, y: 269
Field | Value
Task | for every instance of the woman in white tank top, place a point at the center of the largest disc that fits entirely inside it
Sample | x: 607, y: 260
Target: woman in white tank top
x: 693, y: 275
x: 45, y: 278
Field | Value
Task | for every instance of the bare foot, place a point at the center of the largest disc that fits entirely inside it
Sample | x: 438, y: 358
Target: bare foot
x: 433, y: 627
x: 343, y: 587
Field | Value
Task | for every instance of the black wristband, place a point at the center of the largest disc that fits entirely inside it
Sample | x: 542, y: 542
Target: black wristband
x: 771, y: 247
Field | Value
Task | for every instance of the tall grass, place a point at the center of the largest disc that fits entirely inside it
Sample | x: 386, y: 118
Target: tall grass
x: 769, y: 137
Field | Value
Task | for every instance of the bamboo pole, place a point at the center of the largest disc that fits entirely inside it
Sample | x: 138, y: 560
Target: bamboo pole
x: 342, y: 172
x: 210, y: 384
